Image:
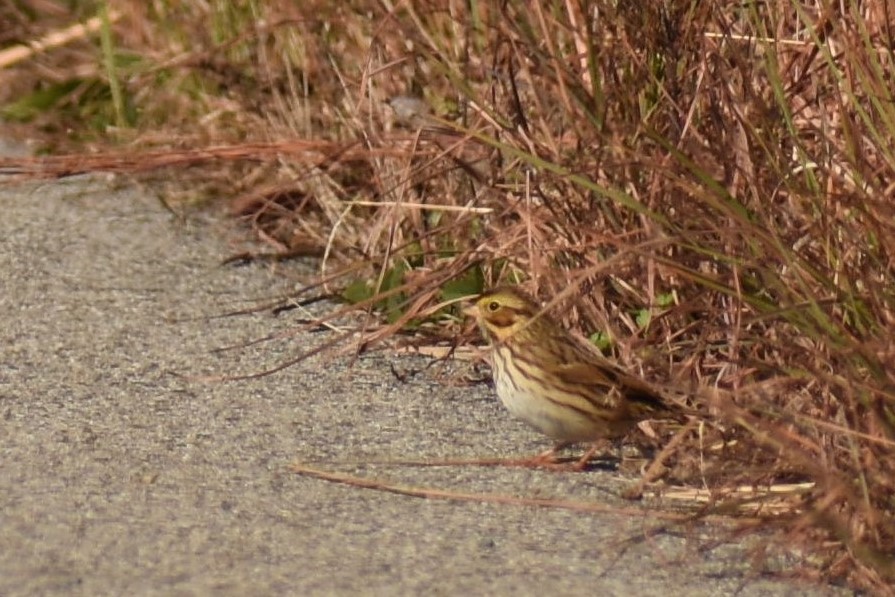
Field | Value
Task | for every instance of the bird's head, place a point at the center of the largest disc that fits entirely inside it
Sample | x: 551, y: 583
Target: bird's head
x: 503, y: 312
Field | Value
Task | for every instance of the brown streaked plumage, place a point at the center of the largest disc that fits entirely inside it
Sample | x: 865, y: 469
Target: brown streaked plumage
x: 555, y: 382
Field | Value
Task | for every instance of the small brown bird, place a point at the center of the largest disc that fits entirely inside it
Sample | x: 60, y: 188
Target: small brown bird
x: 555, y: 382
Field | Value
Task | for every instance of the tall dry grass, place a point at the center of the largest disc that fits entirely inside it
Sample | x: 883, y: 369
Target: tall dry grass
x: 705, y: 186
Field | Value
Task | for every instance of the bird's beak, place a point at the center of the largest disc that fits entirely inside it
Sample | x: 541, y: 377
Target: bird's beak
x: 470, y: 311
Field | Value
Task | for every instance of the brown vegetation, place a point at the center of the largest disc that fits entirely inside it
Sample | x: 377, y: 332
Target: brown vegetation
x: 707, y: 184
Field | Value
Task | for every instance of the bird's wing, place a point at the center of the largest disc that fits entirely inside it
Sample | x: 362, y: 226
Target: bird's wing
x: 582, y: 364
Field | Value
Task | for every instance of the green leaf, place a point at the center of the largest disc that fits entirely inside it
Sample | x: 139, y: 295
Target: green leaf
x: 433, y: 218
x: 643, y: 318
x: 37, y: 102
x: 357, y: 292
x: 470, y: 283
x: 601, y: 341
x: 395, y: 304
x: 665, y: 300
x: 414, y: 254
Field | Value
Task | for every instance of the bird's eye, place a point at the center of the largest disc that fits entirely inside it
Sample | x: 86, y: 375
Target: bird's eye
x: 493, y: 306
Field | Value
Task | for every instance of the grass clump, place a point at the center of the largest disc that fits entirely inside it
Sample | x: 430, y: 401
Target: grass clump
x: 704, y: 185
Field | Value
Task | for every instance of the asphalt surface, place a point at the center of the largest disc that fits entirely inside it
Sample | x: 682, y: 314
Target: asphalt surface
x: 124, y: 471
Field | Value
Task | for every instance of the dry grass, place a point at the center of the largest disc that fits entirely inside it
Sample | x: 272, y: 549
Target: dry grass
x: 708, y: 185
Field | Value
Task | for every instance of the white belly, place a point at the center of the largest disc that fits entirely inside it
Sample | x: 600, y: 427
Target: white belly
x: 542, y: 413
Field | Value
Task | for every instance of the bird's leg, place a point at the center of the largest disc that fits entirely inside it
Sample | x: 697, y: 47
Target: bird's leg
x: 548, y: 457
x: 595, y: 448
x: 581, y: 464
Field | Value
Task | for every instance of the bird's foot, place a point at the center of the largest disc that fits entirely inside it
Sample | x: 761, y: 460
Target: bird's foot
x: 550, y: 460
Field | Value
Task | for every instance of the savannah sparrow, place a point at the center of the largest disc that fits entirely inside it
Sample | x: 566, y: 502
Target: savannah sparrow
x: 555, y: 382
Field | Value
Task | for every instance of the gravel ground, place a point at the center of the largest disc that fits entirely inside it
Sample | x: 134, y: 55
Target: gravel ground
x: 124, y: 471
